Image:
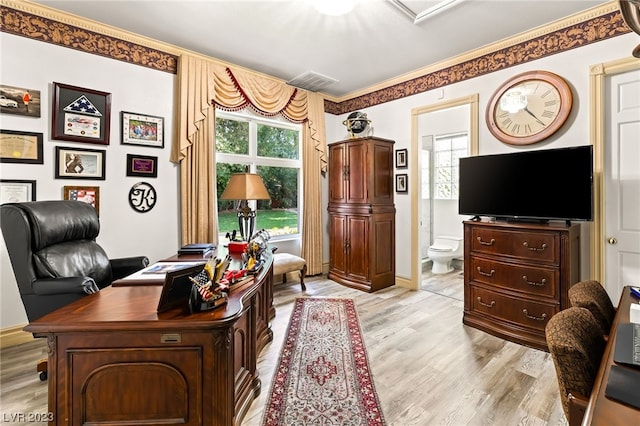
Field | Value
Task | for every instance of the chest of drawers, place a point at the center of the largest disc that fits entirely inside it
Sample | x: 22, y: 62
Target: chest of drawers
x: 516, y: 276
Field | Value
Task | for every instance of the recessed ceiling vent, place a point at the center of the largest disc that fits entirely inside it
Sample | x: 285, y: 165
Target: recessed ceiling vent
x: 311, y: 81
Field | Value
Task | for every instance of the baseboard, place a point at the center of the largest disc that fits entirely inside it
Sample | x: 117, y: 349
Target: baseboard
x: 12, y: 336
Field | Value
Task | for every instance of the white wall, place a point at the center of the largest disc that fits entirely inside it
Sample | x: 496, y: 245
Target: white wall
x: 124, y: 232
x: 392, y: 120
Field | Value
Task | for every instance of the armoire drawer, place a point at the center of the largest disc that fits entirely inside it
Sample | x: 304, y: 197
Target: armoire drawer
x: 539, y: 281
x: 503, y: 307
x: 534, y: 246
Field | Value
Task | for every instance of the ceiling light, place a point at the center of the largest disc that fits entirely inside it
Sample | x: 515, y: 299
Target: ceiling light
x: 333, y: 7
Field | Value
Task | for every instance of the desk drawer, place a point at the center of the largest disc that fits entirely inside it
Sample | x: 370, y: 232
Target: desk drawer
x: 533, y: 246
x: 540, y: 281
x: 523, y: 312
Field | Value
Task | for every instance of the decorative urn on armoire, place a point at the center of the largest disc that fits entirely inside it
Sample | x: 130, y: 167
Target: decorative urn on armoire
x: 362, y: 213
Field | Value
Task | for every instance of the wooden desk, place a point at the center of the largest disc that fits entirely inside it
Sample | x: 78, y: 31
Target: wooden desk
x: 602, y: 410
x: 114, y: 360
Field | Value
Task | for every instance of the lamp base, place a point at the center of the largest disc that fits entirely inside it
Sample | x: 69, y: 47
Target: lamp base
x: 246, y: 220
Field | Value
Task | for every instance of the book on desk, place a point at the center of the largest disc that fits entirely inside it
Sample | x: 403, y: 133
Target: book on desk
x: 198, y: 248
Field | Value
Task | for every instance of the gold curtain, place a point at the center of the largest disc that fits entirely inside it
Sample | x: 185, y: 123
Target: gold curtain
x: 194, y: 149
x: 235, y: 89
x: 313, y: 161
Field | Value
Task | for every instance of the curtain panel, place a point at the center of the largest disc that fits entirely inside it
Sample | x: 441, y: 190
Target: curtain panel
x: 205, y: 85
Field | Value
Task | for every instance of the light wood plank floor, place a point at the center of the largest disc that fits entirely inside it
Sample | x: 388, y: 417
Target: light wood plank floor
x: 428, y: 368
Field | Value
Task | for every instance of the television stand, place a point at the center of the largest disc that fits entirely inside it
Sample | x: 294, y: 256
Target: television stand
x: 517, y: 276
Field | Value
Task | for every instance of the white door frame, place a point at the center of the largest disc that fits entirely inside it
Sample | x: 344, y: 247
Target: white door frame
x: 598, y: 74
x: 472, y: 101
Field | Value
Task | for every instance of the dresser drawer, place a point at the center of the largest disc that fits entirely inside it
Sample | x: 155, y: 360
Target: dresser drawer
x: 535, y: 246
x: 538, y: 281
x: 503, y: 307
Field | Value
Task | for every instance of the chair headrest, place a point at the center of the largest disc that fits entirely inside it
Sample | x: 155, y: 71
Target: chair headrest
x: 57, y: 221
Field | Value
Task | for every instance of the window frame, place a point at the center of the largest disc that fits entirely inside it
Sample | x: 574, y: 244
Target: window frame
x: 253, y: 160
x: 455, y: 179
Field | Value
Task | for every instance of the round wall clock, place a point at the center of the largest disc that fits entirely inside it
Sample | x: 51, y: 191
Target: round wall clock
x: 529, y: 107
x: 142, y: 197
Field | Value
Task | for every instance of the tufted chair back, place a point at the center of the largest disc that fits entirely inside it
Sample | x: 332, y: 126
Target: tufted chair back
x: 592, y: 296
x: 54, y: 255
x: 576, y: 345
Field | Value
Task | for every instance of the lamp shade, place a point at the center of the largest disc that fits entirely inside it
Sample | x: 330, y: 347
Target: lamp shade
x: 245, y: 186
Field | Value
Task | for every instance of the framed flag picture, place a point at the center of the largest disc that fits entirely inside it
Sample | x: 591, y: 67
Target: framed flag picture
x: 86, y: 194
x: 80, y: 115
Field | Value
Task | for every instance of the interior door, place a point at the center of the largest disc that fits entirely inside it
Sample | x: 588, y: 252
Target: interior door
x: 622, y: 183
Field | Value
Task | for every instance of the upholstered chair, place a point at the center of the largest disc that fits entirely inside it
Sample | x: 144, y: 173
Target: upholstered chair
x: 576, y: 345
x: 54, y: 254
x: 592, y: 296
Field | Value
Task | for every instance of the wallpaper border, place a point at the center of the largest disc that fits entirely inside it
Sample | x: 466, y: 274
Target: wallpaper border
x: 112, y: 43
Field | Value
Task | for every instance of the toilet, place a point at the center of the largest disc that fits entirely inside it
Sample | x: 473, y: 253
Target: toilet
x: 443, y: 250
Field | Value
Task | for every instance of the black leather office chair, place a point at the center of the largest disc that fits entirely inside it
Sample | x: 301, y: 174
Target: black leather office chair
x: 55, y: 258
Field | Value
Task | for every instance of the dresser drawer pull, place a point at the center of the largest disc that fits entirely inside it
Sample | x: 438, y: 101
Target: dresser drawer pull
x: 485, y: 243
x: 541, y: 318
x: 488, y: 305
x: 540, y: 284
x: 543, y: 248
x: 486, y: 274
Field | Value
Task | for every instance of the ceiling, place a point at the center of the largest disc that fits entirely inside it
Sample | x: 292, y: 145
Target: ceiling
x: 377, y: 41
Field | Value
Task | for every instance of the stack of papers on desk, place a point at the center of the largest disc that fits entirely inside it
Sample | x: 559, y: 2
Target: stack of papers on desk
x: 159, y: 269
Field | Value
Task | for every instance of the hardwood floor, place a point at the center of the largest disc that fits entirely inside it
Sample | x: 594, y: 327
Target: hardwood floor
x: 428, y: 368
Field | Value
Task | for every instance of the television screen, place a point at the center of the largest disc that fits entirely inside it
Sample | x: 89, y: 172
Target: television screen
x: 552, y: 184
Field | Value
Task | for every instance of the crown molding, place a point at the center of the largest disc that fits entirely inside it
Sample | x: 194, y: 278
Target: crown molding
x: 60, y: 28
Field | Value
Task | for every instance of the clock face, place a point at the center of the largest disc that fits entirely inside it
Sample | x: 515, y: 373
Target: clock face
x: 529, y: 108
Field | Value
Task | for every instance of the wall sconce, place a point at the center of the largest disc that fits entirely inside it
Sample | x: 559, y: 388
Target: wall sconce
x: 244, y: 187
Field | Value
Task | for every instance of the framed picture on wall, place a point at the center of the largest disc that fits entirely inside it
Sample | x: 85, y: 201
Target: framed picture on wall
x: 142, y: 129
x: 86, y: 194
x: 17, y: 190
x: 79, y: 163
x: 80, y: 115
x: 20, y: 147
x: 19, y: 101
x: 142, y: 165
x: 401, y: 159
x: 402, y: 184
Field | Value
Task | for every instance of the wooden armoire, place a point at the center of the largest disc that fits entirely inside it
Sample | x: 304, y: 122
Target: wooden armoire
x: 362, y: 213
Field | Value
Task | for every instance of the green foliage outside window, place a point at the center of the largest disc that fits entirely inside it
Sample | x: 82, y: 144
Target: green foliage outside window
x: 273, y: 145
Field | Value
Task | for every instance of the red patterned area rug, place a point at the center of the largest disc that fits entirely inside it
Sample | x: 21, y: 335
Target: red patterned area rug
x: 323, y: 375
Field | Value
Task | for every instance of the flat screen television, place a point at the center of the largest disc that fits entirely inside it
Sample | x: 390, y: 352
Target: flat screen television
x: 540, y: 185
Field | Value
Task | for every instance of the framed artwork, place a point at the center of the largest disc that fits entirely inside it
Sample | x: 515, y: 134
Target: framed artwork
x: 86, y: 194
x: 80, y: 163
x: 141, y: 129
x: 19, y: 101
x: 401, y: 159
x: 142, y: 165
x: 402, y: 184
x: 20, y: 147
x: 80, y: 115
x: 17, y: 190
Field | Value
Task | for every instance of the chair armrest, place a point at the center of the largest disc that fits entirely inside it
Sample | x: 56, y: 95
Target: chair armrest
x: 73, y: 285
x: 125, y: 266
x: 577, y: 407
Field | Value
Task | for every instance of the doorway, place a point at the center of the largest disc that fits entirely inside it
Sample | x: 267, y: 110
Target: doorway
x: 424, y: 207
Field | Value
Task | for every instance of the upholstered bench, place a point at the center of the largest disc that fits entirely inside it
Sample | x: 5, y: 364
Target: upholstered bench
x: 284, y: 263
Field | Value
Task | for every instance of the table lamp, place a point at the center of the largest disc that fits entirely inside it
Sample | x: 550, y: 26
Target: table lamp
x: 244, y: 187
